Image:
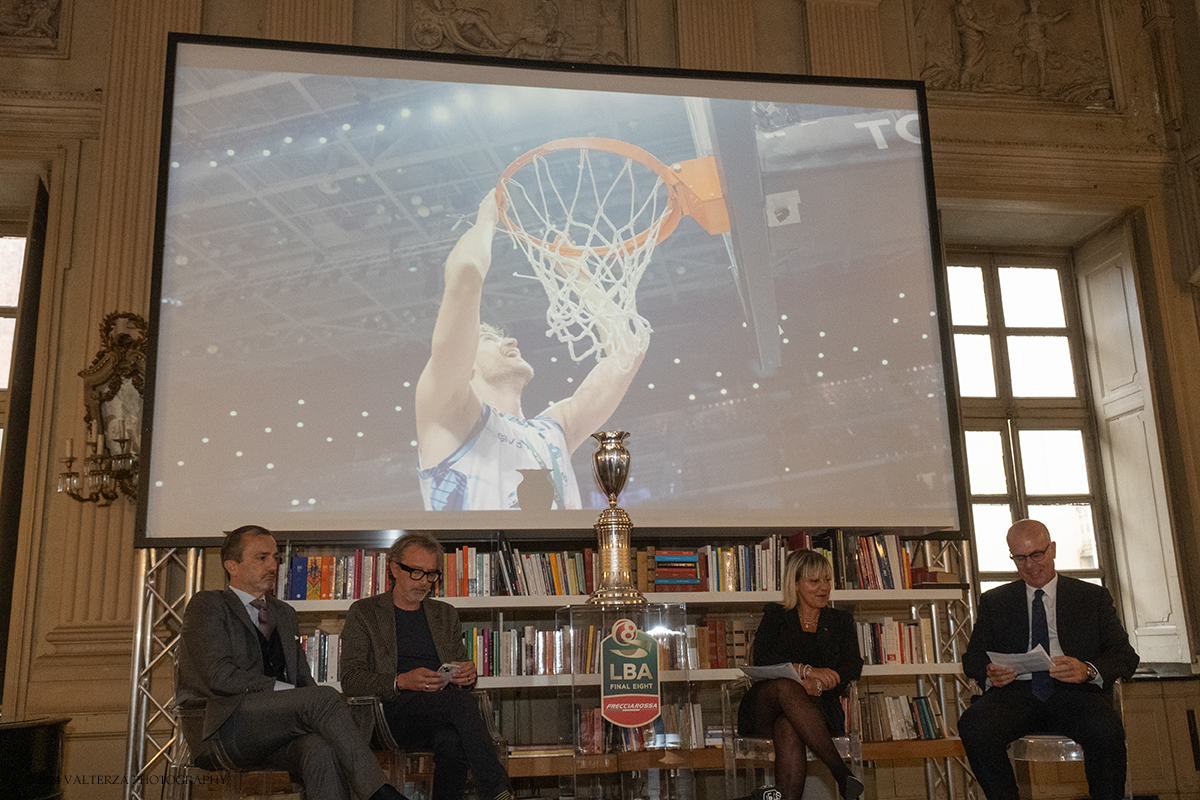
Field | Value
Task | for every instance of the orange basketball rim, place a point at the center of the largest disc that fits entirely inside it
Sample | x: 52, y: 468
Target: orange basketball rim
x: 693, y: 189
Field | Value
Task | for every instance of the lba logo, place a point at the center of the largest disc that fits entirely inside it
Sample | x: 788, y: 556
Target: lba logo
x: 629, y: 691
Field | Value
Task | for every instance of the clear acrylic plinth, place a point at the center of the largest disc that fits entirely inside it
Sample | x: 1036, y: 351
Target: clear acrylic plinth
x: 653, y: 761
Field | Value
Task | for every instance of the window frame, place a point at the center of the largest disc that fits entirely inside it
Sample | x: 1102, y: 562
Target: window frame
x: 11, y: 229
x: 1009, y: 415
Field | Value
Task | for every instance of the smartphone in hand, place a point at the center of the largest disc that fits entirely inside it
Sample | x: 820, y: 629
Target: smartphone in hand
x: 447, y: 672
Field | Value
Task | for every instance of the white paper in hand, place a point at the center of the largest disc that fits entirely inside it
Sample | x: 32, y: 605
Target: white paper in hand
x: 1036, y: 660
x: 783, y: 670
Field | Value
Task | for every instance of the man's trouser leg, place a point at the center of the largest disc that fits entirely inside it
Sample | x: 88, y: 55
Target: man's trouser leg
x: 266, y: 724
x: 449, y: 723
x: 993, y: 722
x: 1090, y: 719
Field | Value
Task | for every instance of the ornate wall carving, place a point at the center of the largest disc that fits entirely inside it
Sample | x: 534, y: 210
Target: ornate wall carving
x: 1049, y: 49
x: 592, y: 31
x: 35, y: 27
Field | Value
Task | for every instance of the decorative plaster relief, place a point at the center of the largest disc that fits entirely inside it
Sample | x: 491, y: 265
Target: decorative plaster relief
x: 1051, y: 49
x: 34, y: 27
x: 546, y: 30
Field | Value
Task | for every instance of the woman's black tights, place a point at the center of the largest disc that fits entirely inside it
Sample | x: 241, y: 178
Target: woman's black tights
x: 795, y: 723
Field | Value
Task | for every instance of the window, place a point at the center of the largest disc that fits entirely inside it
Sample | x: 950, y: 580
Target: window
x: 1026, y: 415
x: 12, y: 260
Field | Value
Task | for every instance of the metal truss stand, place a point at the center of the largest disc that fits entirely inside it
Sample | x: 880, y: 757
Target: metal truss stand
x: 168, y: 577
x: 951, y: 778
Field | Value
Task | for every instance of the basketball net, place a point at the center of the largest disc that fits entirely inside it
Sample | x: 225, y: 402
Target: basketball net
x: 588, y: 238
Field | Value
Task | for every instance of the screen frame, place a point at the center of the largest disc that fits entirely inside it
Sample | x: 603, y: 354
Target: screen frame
x: 484, y: 64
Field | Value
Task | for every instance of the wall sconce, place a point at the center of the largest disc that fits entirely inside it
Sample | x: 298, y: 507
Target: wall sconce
x: 113, y: 389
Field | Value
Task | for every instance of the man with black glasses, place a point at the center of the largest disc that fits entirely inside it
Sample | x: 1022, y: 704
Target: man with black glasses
x: 407, y: 649
x: 1076, y: 623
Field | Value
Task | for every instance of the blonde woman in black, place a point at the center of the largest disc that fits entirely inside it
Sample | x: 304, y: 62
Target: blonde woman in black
x: 821, y: 645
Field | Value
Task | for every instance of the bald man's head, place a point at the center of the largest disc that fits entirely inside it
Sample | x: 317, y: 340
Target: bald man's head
x: 1032, y: 552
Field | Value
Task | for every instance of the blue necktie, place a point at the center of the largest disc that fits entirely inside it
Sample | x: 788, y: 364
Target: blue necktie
x: 1043, y: 684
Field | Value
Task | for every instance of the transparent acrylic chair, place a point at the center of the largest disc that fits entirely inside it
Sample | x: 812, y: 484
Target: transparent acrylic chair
x: 756, y: 755
x: 1049, y: 747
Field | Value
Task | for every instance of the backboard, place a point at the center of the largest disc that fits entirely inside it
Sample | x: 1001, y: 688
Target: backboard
x: 725, y: 130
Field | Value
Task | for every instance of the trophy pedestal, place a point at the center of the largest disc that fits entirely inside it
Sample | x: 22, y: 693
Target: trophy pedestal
x: 616, y: 585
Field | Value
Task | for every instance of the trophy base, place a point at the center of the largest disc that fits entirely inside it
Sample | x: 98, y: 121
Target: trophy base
x: 616, y: 597
x: 615, y: 586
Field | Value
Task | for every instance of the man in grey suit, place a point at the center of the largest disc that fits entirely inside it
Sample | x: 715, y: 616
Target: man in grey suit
x: 1076, y: 623
x: 392, y: 647
x: 240, y: 655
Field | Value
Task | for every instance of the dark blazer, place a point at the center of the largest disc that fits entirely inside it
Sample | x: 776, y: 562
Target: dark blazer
x: 220, y: 659
x: 369, y: 649
x: 780, y: 639
x: 1087, y: 623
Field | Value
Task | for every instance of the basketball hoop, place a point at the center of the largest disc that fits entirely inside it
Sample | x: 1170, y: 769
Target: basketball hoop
x: 587, y: 213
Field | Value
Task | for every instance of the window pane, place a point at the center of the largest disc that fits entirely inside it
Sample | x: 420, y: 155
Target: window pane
x: 12, y: 259
x: 1040, y: 366
x: 985, y: 585
x: 967, y: 305
x: 1053, y: 462
x: 1071, y: 529
x: 1031, y: 298
x: 991, y: 525
x: 7, y: 325
x: 985, y: 462
x: 973, y: 357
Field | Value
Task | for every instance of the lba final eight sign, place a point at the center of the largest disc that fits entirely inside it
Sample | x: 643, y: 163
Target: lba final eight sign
x: 629, y: 690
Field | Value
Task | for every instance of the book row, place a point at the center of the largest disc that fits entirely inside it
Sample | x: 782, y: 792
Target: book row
x: 324, y: 653
x: 894, y: 642
x: 866, y: 561
x: 678, y: 726
x: 717, y: 643
x: 349, y: 576
x: 714, y: 643
x: 471, y: 572
x: 863, y: 561
x: 887, y: 718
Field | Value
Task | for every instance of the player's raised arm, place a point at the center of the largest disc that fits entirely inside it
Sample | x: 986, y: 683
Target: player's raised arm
x: 601, y: 391
x: 446, y: 407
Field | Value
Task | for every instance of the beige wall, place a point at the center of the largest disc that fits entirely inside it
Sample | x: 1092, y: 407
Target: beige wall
x: 85, y: 114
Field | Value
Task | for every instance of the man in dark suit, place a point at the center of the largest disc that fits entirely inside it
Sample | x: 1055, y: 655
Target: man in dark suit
x: 240, y: 654
x: 392, y: 647
x: 1076, y: 623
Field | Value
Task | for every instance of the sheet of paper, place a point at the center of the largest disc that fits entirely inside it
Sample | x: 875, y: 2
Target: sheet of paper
x: 1035, y: 660
x: 784, y: 670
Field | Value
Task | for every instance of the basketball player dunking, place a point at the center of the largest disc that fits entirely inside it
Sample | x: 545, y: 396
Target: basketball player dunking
x: 471, y: 432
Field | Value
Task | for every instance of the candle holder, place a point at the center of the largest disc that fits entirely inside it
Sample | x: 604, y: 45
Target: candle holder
x: 113, y: 386
x: 104, y: 477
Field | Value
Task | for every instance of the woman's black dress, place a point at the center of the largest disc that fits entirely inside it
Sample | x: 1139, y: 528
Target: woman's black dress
x: 834, y: 644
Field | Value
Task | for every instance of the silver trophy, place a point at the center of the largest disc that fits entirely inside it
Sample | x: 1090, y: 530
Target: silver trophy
x: 611, y: 465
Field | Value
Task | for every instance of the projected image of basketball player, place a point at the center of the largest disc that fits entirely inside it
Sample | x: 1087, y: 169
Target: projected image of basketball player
x: 473, y: 436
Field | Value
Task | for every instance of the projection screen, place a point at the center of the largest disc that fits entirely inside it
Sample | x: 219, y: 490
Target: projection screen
x: 778, y: 357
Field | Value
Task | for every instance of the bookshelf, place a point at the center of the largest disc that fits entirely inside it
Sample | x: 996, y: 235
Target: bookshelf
x: 708, y: 599
x: 526, y: 703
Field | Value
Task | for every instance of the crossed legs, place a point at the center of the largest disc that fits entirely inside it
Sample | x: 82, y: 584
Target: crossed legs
x: 308, y: 732
x: 784, y: 710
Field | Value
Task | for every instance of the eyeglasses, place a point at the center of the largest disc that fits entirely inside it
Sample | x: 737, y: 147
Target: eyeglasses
x: 433, y: 576
x: 1036, y: 557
